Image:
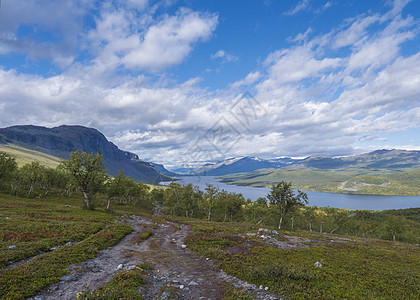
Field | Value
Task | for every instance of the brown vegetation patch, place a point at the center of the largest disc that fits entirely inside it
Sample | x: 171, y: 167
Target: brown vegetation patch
x: 243, y: 248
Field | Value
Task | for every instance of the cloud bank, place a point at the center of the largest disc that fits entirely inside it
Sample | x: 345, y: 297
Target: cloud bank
x: 328, y: 93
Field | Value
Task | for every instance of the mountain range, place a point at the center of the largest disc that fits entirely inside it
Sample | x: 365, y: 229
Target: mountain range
x: 62, y: 140
x: 379, y: 160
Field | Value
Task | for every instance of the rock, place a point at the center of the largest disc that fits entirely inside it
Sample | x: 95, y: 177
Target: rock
x: 128, y: 268
x: 69, y: 278
x: 207, y: 258
x: 181, y: 286
x: 251, y: 234
x: 266, y: 288
x: 12, y: 247
x: 193, y: 283
x: 38, y: 298
x: 274, y: 232
x: 184, y: 246
x: 120, y: 266
x: 318, y: 264
x: 261, y: 287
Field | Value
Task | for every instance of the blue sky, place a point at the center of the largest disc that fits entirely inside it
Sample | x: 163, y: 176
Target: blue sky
x: 185, y: 82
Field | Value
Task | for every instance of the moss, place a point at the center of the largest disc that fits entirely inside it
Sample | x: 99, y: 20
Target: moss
x: 124, y: 285
x: 350, y: 269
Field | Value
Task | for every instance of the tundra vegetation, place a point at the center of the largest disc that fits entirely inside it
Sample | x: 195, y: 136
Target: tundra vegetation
x: 40, y: 211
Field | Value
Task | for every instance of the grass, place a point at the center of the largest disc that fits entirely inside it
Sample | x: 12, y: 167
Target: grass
x: 351, y: 269
x: 32, y: 227
x: 24, y: 156
x: 357, y: 269
x: 125, y: 285
x: 27, y: 279
x: 401, y: 183
x: 232, y: 293
x: 29, y: 227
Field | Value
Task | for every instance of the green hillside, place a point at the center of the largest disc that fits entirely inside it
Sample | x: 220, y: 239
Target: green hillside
x: 355, y: 181
x: 24, y: 156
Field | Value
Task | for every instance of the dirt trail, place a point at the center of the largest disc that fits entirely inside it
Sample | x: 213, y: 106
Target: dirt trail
x: 176, y: 273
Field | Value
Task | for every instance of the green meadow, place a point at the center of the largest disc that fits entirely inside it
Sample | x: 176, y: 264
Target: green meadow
x: 354, y: 181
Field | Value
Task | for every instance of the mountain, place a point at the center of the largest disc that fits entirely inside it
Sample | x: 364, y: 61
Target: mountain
x: 61, y: 141
x: 241, y: 165
x: 163, y: 170
x: 379, y: 160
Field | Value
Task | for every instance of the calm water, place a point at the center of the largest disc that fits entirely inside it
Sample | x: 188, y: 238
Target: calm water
x: 370, y: 202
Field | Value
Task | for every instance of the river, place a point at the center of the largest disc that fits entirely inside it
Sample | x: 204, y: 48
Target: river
x: 348, y: 201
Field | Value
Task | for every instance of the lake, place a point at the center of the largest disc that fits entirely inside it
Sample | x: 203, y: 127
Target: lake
x: 348, y: 201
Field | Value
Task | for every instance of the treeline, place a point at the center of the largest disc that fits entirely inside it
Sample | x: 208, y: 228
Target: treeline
x: 85, y: 175
x: 82, y: 174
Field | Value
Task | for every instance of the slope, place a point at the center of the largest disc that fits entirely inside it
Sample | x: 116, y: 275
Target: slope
x: 61, y: 141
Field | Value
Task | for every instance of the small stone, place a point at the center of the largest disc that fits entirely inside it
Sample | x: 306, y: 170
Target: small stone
x: 318, y: 264
x: 39, y: 298
x: 261, y: 287
x: 69, y: 278
x: 181, y: 286
x: 184, y: 246
x: 12, y: 247
x: 120, y: 266
x: 207, y: 258
x: 193, y: 283
x: 266, y: 288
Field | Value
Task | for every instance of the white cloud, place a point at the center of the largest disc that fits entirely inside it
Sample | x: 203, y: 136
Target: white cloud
x: 296, y: 64
x: 249, y: 79
x: 170, y: 41
x: 302, y: 5
x: 323, y: 94
x: 224, y: 56
x: 61, y: 19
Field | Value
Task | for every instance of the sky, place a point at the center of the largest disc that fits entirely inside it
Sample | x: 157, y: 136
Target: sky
x: 184, y: 82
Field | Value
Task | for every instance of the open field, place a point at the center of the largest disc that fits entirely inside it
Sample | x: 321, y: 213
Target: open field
x: 40, y: 239
x: 24, y: 156
x: 355, y: 181
x: 41, y: 228
x: 352, y: 268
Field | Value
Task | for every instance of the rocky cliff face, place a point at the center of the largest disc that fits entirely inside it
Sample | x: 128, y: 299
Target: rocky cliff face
x: 61, y: 141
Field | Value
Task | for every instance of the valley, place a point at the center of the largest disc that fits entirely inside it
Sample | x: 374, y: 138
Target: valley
x: 120, y: 238
x: 360, y: 182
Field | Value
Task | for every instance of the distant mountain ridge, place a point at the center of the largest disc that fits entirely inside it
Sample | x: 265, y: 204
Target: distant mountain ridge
x: 62, y: 140
x: 392, y: 160
x: 241, y: 165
